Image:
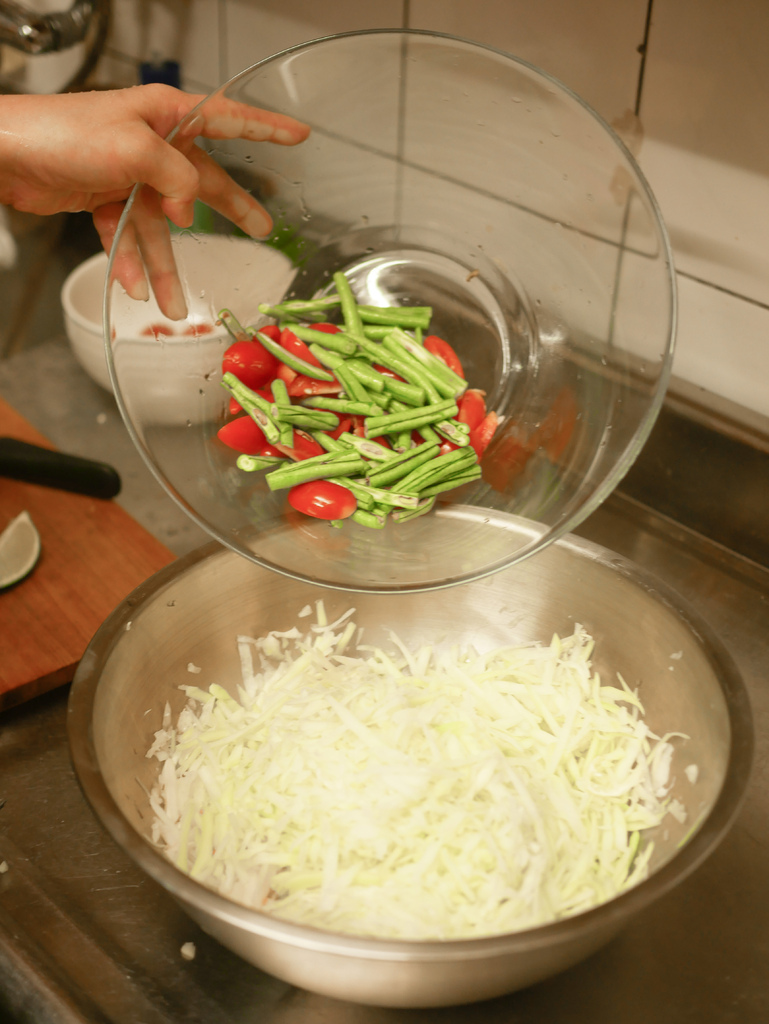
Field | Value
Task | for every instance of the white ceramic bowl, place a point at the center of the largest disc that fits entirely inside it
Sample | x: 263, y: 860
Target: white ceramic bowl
x: 165, y: 361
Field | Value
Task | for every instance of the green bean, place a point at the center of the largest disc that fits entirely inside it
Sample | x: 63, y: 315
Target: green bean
x: 327, y: 441
x: 339, y: 342
x: 396, y: 316
x: 374, y: 520
x: 407, y: 368
x: 343, y: 405
x: 429, y: 362
x: 258, y: 408
x: 310, y: 469
x: 313, y: 419
x: 402, y: 515
x: 395, y: 422
x: 375, y: 332
x: 232, y: 326
x: 451, y: 483
x: 370, y: 378
x: 253, y: 463
x: 444, y: 387
x: 330, y: 359
x: 282, y: 400
x: 350, y: 314
x: 429, y: 474
x: 352, y: 386
x: 299, y: 306
x: 300, y: 365
x: 368, y: 449
x: 400, y: 466
x: 452, y: 431
x: 378, y: 496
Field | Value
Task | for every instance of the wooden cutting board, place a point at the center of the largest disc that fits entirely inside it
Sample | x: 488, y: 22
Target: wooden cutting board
x: 93, y: 555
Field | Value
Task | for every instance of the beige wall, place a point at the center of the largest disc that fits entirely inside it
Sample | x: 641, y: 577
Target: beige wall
x: 703, y: 100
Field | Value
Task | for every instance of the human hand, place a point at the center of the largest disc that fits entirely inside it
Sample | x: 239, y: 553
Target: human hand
x: 86, y: 151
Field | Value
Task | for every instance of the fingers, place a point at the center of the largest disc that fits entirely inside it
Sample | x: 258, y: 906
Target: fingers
x: 222, y: 118
x: 127, y: 266
x: 143, y: 251
x: 224, y: 195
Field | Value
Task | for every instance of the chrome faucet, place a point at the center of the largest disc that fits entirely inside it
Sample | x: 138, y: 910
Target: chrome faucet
x: 35, y: 33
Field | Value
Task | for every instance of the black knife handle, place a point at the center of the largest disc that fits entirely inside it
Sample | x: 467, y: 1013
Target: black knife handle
x: 35, y: 465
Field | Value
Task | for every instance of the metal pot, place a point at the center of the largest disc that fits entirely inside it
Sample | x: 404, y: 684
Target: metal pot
x: 193, y: 611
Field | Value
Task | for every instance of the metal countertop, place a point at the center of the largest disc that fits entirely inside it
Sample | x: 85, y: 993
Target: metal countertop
x: 85, y: 938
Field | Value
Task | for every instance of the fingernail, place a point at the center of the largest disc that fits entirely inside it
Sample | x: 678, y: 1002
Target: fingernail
x: 175, y: 307
x: 282, y: 136
x: 138, y: 289
x: 256, y: 223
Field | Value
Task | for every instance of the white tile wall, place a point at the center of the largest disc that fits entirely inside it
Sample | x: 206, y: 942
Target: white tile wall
x: 704, y: 110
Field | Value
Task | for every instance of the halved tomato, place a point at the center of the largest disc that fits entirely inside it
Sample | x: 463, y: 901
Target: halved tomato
x: 322, y: 499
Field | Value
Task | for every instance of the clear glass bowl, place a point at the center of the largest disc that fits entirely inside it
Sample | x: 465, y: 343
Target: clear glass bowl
x: 444, y: 173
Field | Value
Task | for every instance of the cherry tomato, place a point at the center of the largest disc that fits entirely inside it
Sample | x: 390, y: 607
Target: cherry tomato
x: 328, y: 328
x: 483, y: 433
x: 505, y: 463
x: 446, y: 446
x: 472, y: 408
x: 322, y: 499
x: 157, y: 331
x: 303, y: 447
x: 292, y: 344
x: 242, y: 434
x: 386, y: 372
x: 345, y: 425
x: 444, y: 352
x: 286, y: 374
x: 555, y: 431
x: 272, y: 331
x: 250, y: 362
x: 299, y: 386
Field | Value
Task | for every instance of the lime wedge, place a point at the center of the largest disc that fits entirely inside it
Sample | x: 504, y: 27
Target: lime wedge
x: 19, y: 550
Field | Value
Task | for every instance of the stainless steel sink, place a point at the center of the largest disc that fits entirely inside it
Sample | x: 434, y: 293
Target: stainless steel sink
x: 85, y: 937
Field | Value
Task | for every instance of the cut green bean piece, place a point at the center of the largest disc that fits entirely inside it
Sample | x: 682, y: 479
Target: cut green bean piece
x: 430, y: 362
x: 397, y: 316
x: 350, y: 315
x: 370, y: 378
x: 300, y: 365
x: 352, y: 387
x: 450, y: 483
x: 400, y: 467
x: 306, y: 470
x: 343, y: 405
x: 258, y: 408
x: 313, y: 419
x: 367, y: 448
x: 443, y: 466
x: 374, y: 520
x: 253, y: 463
x: 452, y: 431
x: 362, y: 496
x: 395, y: 422
x: 299, y: 306
x: 232, y: 325
x: 402, y: 515
x: 420, y: 370
x: 328, y: 442
x: 375, y: 332
x: 341, y: 343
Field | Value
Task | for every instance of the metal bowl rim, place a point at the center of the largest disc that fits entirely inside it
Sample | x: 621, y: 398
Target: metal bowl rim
x: 600, y: 918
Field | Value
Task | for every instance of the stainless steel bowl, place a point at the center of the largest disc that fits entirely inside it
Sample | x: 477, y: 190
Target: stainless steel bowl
x: 192, y: 612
